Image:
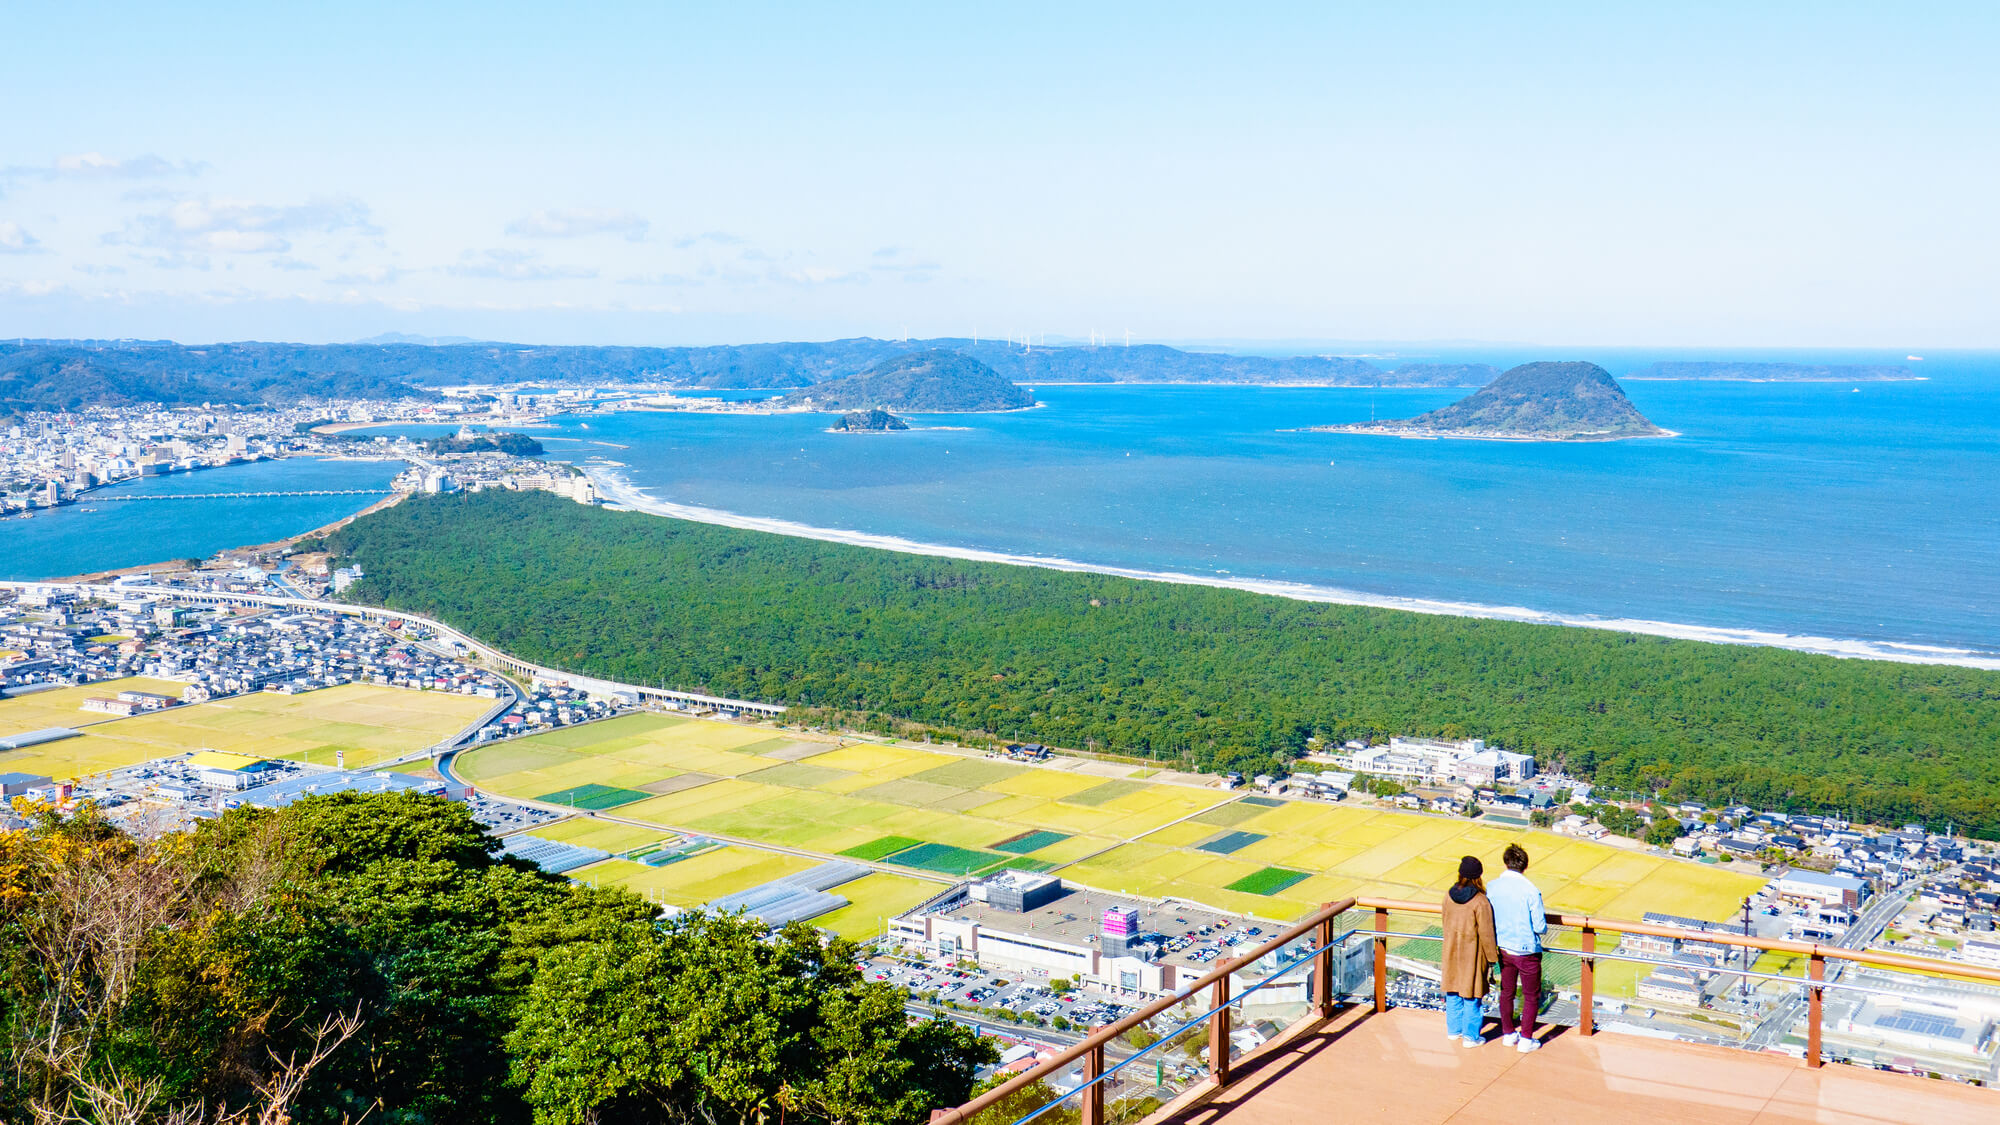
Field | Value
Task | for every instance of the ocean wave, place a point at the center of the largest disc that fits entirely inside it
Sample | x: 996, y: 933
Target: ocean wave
x: 618, y: 490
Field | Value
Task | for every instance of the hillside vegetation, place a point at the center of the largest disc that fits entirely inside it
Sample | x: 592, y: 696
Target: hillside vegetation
x: 928, y: 382
x: 1553, y: 401
x: 366, y: 958
x: 1206, y: 677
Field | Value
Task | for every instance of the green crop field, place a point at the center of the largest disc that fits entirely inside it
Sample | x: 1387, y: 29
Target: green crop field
x: 1268, y: 881
x: 880, y: 849
x: 593, y: 797
x: 1029, y: 842
x: 944, y: 859
x: 370, y: 724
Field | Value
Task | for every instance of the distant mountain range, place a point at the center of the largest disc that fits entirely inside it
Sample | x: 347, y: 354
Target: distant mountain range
x: 1532, y: 402
x: 938, y: 381
x: 68, y: 374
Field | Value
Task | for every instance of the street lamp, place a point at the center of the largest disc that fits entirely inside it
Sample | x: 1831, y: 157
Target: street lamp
x: 1746, y: 950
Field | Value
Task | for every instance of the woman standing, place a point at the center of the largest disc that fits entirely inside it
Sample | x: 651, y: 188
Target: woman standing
x: 1470, y: 949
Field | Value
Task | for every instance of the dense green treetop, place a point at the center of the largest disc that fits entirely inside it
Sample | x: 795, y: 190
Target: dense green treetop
x: 1210, y: 678
x: 370, y: 955
x: 519, y: 445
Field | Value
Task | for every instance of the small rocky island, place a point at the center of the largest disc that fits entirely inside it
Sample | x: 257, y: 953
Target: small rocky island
x: 1532, y: 402
x: 870, y: 421
x: 937, y: 381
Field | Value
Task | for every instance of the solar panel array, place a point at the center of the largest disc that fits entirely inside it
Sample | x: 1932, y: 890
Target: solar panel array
x: 552, y: 856
x: 1923, y: 1023
x: 793, y: 898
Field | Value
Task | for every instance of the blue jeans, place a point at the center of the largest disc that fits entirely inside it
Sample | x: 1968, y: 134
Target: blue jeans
x: 1462, y: 1016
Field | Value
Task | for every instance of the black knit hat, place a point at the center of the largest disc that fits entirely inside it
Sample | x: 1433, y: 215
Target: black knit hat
x: 1471, y: 868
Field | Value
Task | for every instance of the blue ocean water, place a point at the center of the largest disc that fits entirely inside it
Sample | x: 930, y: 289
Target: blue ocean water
x: 100, y: 534
x: 1851, y: 511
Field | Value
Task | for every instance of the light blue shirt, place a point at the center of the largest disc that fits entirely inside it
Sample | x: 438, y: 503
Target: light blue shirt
x: 1519, y: 920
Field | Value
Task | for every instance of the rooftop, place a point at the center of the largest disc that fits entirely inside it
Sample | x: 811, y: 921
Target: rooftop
x: 1399, y: 1066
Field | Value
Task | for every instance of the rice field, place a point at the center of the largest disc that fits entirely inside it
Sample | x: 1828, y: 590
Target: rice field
x: 369, y: 723
x: 932, y: 812
x: 59, y: 707
x: 943, y: 815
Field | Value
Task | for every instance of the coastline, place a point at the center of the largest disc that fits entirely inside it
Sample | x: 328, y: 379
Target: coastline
x: 622, y: 493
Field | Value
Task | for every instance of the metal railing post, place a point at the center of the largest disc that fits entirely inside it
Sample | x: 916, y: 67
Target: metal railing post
x: 1093, y: 1091
x: 1586, y: 999
x: 1815, y: 972
x: 1323, y: 968
x: 1381, y: 959
x: 1218, y: 1033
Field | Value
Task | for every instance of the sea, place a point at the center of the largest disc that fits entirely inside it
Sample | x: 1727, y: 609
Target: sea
x: 103, y: 531
x: 1853, y: 518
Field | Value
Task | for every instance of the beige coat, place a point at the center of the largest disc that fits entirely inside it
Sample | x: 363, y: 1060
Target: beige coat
x: 1469, y: 946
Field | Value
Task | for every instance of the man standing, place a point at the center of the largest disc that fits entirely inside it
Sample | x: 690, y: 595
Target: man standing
x: 1519, y: 921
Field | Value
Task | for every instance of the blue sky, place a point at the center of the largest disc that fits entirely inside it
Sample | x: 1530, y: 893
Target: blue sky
x: 1681, y: 174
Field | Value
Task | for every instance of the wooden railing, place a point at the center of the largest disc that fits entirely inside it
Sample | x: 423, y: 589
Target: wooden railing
x: 1326, y: 949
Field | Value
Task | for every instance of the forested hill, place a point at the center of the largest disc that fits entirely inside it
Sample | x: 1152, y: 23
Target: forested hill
x: 1555, y: 401
x: 65, y: 375
x: 928, y: 382
x: 1208, y: 677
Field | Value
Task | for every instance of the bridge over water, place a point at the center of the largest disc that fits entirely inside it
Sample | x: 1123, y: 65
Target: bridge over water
x: 238, y: 495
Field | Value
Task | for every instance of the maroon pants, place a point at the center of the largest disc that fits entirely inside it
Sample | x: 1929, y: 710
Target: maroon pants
x: 1524, y: 970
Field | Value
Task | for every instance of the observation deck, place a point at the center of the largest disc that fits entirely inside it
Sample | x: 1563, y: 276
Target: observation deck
x: 1398, y: 1067
x: 1302, y: 1029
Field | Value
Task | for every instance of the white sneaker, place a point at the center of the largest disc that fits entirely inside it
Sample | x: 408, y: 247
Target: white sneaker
x: 1471, y: 1042
x: 1511, y: 1038
x: 1528, y: 1043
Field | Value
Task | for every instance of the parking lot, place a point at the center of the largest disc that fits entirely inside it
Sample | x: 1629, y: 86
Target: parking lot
x: 1025, y: 995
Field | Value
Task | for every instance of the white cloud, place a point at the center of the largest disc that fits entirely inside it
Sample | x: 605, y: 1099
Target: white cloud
x: 207, y: 225
x: 513, y: 265
x: 97, y: 166
x: 285, y: 262
x: 92, y: 269
x: 580, y: 223
x: 145, y: 167
x: 712, y: 238
x: 378, y: 275
x: 14, y: 240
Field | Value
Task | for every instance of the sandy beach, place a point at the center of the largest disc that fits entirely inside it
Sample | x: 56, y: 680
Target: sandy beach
x: 619, y: 491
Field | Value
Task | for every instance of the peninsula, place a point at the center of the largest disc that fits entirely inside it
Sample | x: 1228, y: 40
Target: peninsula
x: 1532, y: 402
x: 937, y: 381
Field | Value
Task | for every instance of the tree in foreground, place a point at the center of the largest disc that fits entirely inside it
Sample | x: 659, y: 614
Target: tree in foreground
x: 355, y: 958
x: 706, y: 1020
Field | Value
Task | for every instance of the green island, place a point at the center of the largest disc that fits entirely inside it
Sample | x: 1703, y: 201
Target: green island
x: 1204, y: 677
x: 1532, y: 402
x: 938, y: 381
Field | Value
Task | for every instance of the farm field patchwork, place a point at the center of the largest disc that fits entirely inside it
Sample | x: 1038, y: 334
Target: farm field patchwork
x: 933, y: 812
x: 941, y: 815
x: 371, y: 724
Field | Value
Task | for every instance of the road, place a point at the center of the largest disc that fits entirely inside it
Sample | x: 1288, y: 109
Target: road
x: 1868, y: 926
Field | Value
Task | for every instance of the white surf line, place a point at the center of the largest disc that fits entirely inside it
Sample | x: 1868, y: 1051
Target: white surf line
x: 620, y: 491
